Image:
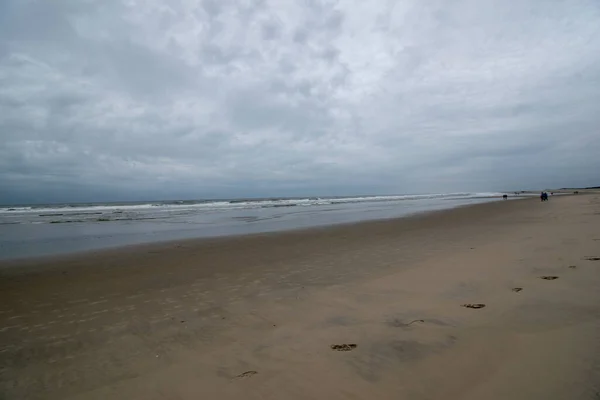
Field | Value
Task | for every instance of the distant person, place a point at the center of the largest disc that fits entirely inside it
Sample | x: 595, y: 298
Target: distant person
x: 505, y: 196
x: 544, y: 196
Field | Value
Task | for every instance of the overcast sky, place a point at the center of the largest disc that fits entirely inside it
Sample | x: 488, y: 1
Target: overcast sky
x: 146, y: 99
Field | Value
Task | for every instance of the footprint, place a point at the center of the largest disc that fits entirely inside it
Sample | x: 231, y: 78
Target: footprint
x: 592, y: 258
x: 343, y: 347
x: 549, y: 278
x: 572, y: 266
x: 396, y: 323
x: 517, y: 289
x: 476, y: 305
x: 246, y: 374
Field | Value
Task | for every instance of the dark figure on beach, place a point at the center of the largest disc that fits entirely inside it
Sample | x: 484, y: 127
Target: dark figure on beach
x: 505, y: 196
x: 544, y: 196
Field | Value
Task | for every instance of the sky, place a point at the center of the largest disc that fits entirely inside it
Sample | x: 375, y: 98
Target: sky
x: 172, y: 99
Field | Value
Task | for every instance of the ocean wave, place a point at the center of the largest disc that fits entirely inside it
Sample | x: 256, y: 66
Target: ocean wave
x: 14, y: 209
x: 198, y: 205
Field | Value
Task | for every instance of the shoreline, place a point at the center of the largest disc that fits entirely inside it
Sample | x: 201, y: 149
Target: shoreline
x: 254, y: 317
x: 39, y: 239
x: 303, y: 232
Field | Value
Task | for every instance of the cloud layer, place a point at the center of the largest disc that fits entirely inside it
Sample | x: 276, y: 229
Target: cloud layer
x: 189, y: 98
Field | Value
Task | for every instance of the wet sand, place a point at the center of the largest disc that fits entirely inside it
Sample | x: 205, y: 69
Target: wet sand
x: 426, y: 307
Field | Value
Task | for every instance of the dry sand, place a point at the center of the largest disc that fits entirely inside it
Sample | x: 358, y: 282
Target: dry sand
x: 255, y: 317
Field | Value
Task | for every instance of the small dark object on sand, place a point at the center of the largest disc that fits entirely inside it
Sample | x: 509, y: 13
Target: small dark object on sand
x: 572, y: 266
x: 517, y: 289
x: 593, y: 258
x: 476, y: 305
x: 247, y: 374
x: 343, y: 347
x: 549, y: 278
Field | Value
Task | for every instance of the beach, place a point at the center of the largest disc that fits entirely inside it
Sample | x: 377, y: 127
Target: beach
x: 370, y: 310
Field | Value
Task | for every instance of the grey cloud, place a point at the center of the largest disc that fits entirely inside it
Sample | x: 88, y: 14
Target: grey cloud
x: 319, y: 97
x: 212, y: 7
x: 271, y: 30
x: 147, y: 72
x: 300, y: 35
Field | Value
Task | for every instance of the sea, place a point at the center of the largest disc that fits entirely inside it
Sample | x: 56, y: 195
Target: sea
x: 55, y: 229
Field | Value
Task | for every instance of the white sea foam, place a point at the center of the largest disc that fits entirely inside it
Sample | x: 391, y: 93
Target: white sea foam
x: 25, y: 230
x: 54, y: 213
